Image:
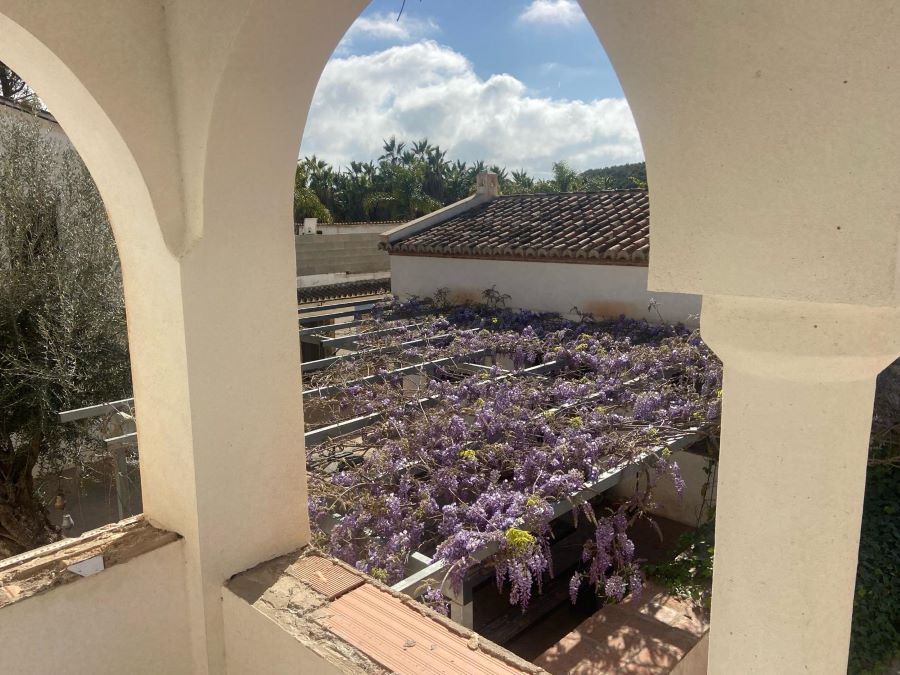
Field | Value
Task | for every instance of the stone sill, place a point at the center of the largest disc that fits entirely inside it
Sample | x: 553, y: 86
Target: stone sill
x: 355, y: 624
x: 45, y: 568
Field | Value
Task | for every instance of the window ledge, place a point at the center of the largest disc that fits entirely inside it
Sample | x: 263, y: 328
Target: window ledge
x: 358, y: 625
x: 68, y: 560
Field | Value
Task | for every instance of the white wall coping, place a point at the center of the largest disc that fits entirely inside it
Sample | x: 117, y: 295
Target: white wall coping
x: 433, y: 218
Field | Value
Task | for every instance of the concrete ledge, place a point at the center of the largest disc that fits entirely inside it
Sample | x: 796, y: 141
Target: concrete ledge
x: 329, y: 278
x: 695, y: 661
x: 63, y: 562
x: 307, y: 609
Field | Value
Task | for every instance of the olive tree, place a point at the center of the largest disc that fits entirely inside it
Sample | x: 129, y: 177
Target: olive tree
x: 63, y: 341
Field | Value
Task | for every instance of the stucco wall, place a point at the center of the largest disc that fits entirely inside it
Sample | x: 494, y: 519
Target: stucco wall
x: 695, y: 661
x: 603, y: 290
x: 130, y: 618
x: 324, y: 253
x: 256, y: 644
x: 685, y: 508
x: 355, y: 228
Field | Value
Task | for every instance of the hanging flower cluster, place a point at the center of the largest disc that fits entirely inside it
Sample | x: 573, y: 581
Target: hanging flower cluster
x: 463, y: 462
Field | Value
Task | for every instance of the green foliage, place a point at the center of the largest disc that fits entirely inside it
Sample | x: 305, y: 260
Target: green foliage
x: 623, y: 176
x: 566, y: 179
x: 307, y: 205
x: 412, y: 179
x: 875, y: 637
x: 62, y: 320
x: 306, y: 202
x: 14, y: 88
x: 687, y: 571
x: 403, y: 195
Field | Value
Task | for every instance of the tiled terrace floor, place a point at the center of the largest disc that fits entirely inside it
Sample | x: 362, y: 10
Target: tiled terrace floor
x: 646, y: 638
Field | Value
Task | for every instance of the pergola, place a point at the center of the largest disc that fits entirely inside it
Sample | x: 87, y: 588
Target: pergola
x: 381, y: 356
x: 771, y: 143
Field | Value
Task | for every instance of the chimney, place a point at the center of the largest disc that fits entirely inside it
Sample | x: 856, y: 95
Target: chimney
x: 487, y: 184
x: 309, y: 225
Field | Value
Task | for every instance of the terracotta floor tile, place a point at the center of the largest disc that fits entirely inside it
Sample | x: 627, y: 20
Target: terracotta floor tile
x: 324, y: 576
x: 646, y: 638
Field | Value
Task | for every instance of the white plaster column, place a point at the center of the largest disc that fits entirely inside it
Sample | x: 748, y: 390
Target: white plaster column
x: 797, y: 408
x: 189, y: 116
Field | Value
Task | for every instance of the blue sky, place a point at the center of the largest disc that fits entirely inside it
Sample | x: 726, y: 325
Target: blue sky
x: 521, y: 83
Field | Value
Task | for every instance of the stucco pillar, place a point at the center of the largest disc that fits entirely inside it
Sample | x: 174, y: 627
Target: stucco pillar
x: 216, y: 365
x: 798, y: 394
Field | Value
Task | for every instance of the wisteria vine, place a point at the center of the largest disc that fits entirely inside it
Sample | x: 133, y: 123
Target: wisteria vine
x: 462, y: 462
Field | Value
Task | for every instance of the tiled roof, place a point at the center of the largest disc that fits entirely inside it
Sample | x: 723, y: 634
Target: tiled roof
x: 352, y: 223
x: 609, y: 227
x: 347, y: 289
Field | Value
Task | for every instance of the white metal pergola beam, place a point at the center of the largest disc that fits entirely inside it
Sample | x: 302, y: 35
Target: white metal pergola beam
x: 424, y: 367
x: 96, y: 410
x: 319, y: 364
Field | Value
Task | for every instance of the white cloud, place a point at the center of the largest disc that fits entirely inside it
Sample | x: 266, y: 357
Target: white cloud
x: 429, y: 90
x: 386, y: 26
x: 563, y: 12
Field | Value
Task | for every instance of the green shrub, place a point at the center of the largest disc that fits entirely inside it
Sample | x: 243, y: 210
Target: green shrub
x: 875, y: 640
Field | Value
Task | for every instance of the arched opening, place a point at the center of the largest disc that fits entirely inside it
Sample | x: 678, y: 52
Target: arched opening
x: 405, y: 129
x: 65, y: 340
x: 64, y: 336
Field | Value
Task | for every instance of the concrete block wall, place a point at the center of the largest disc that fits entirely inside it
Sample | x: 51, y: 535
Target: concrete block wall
x: 354, y: 253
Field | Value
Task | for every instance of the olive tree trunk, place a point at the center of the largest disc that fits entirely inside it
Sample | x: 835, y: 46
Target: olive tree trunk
x: 24, y: 524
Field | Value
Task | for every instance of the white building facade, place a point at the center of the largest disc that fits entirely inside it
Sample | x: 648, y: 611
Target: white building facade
x: 585, y: 252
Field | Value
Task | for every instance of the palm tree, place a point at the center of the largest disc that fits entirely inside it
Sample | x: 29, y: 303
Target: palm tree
x: 595, y: 183
x: 411, y: 180
x: 320, y: 179
x: 502, y: 176
x: 435, y: 180
x: 477, y: 168
x: 420, y: 148
x: 306, y: 202
x: 521, y: 182
x: 565, y: 178
x: 458, y: 182
x: 402, y: 196
x: 392, y: 150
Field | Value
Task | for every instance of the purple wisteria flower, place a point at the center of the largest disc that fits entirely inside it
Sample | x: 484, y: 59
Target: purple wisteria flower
x: 458, y: 461
x: 614, y: 588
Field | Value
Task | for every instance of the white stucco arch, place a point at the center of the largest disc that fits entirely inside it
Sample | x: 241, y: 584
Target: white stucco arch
x: 100, y: 145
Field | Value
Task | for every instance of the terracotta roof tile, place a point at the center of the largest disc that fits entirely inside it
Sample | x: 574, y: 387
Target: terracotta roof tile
x: 612, y: 226
x: 346, y: 289
x: 354, y: 223
x: 404, y: 641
